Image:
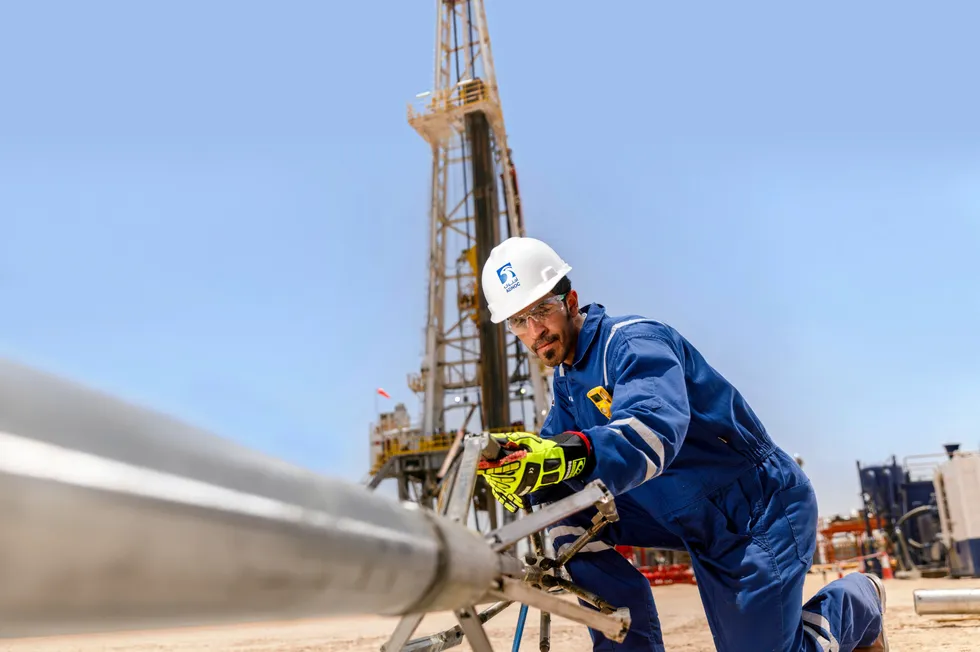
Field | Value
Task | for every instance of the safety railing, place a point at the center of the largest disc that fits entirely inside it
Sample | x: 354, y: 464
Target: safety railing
x: 394, y: 447
x: 465, y: 93
x: 415, y: 445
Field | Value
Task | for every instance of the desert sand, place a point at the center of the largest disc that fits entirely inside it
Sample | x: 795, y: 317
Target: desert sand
x: 685, y: 630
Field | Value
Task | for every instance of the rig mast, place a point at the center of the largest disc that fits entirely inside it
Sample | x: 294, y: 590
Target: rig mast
x: 476, y: 375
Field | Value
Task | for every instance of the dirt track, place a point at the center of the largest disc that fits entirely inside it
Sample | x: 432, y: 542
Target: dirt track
x: 685, y: 630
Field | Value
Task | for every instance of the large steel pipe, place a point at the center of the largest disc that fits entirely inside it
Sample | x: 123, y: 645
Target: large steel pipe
x: 946, y: 601
x: 115, y: 516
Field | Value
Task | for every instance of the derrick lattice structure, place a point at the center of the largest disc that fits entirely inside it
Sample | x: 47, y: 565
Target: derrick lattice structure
x: 476, y: 375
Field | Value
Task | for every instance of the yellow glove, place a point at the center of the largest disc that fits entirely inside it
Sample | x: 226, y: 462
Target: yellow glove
x: 530, y: 463
x: 510, y: 502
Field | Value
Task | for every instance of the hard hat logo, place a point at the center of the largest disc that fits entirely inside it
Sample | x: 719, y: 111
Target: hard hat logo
x: 508, y: 277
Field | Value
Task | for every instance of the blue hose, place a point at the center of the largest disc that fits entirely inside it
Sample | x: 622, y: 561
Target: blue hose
x: 520, y: 629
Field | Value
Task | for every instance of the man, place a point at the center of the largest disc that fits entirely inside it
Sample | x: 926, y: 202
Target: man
x: 692, y: 468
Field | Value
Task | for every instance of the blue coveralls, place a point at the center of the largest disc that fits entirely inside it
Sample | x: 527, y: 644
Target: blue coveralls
x: 693, y: 469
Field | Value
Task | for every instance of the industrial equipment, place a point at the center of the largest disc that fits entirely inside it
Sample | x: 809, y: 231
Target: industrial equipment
x: 116, y: 517
x: 928, y: 511
x: 957, y: 483
x: 476, y: 376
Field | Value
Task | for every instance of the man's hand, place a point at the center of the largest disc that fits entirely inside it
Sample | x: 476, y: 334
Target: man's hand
x: 530, y: 463
x: 510, y: 502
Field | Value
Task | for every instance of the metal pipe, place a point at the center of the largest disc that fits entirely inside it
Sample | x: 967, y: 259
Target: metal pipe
x: 946, y: 601
x: 117, y: 517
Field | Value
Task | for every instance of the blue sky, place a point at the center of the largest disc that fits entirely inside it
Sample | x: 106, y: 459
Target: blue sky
x: 797, y: 189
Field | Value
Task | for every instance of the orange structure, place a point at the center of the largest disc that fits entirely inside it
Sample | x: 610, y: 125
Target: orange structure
x: 847, y: 539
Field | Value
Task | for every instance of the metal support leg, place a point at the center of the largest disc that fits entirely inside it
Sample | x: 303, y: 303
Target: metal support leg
x: 476, y: 636
x: 614, y: 625
x: 544, y: 640
x: 406, y: 627
x: 453, y: 636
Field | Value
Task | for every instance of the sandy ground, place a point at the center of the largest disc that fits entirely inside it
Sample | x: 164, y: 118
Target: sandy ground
x: 685, y: 630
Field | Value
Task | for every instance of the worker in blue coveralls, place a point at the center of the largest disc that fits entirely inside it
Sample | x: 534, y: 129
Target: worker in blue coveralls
x: 690, y: 465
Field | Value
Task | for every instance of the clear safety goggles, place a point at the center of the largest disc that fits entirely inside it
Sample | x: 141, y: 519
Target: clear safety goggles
x: 540, y: 312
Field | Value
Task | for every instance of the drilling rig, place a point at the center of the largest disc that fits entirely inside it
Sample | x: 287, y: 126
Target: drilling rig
x: 475, y: 375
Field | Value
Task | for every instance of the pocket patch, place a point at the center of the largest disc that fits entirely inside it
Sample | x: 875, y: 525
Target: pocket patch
x: 799, y: 504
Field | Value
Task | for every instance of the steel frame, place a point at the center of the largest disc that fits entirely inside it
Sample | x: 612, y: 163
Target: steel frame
x: 532, y: 581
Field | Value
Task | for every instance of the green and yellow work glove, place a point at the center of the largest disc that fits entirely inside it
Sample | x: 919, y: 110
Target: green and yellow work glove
x: 530, y: 463
x: 511, y: 502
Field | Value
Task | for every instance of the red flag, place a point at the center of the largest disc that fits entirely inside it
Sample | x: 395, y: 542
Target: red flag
x: 384, y: 393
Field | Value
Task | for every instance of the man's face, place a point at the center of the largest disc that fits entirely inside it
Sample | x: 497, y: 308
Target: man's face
x: 546, y: 328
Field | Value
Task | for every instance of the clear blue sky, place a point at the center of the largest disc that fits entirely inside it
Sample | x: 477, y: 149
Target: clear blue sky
x: 797, y: 189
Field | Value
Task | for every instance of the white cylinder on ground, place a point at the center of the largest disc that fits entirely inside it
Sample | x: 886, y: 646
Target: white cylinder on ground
x: 946, y: 601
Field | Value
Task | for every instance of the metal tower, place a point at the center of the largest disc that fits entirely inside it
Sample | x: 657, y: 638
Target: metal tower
x: 475, y: 206
x: 476, y: 375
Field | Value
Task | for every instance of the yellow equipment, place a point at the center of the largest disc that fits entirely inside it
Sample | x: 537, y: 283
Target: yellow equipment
x: 602, y: 399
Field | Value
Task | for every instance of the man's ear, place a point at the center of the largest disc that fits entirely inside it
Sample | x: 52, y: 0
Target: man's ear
x: 571, y: 299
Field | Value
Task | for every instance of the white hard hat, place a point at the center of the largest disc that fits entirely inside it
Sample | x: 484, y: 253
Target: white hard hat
x: 519, y: 272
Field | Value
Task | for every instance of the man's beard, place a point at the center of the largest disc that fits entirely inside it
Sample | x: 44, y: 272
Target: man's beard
x: 553, y: 356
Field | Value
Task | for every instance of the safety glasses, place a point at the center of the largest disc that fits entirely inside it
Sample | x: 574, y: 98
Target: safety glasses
x: 540, y: 312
